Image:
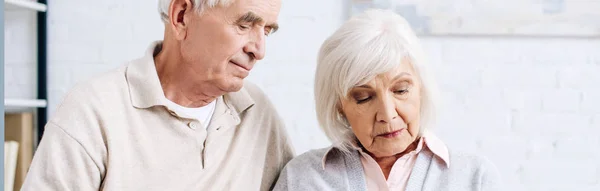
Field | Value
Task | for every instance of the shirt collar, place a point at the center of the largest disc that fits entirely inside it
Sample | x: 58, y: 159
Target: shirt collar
x: 428, y: 140
x: 146, y: 91
x: 437, y: 147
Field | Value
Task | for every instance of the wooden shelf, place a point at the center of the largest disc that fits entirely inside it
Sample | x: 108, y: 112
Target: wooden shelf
x: 24, y: 103
x: 24, y: 4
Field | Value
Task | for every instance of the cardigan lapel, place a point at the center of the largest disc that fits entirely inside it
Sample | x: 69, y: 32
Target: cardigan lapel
x: 420, y: 171
x: 354, y: 169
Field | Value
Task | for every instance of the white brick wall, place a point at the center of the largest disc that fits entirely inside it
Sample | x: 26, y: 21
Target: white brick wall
x: 87, y: 38
x: 532, y: 105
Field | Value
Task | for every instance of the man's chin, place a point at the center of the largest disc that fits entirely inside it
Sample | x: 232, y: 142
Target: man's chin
x: 233, y: 86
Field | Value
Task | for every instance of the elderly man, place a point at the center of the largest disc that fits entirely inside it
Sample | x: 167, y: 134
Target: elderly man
x: 179, y: 118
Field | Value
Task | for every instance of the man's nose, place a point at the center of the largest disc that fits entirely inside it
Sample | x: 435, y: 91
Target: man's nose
x: 256, y: 47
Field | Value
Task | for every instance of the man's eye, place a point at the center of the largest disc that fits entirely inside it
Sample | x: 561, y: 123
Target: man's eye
x: 268, y: 31
x: 244, y: 27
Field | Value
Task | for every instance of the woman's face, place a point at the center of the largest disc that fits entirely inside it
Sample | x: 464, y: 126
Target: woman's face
x: 384, y: 113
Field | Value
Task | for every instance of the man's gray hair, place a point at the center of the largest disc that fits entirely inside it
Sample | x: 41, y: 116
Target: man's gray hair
x: 369, y: 44
x: 199, y: 5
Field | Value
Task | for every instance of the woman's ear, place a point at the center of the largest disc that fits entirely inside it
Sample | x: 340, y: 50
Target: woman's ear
x: 342, y: 115
x: 340, y: 110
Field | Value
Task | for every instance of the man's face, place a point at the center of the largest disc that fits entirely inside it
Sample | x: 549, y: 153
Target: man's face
x: 222, y: 44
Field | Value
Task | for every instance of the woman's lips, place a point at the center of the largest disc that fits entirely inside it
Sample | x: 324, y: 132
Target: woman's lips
x: 391, y: 134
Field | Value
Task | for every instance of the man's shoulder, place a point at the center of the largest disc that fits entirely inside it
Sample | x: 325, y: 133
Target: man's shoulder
x: 260, y: 99
x: 87, y: 102
x: 254, y: 91
x: 105, y: 83
x: 91, y: 95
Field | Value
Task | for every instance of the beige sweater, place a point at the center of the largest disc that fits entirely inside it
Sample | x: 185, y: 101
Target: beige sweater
x: 116, y: 133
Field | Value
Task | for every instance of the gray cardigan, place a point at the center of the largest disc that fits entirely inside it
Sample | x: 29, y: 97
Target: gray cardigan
x: 344, y: 172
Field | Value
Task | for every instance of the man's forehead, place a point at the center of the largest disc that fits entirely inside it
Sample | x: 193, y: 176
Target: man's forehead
x: 268, y: 10
x: 252, y: 16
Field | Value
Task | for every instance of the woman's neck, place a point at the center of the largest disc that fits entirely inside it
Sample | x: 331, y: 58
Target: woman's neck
x: 387, y: 162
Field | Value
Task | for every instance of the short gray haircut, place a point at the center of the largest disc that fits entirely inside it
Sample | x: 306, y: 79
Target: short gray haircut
x: 371, y: 43
x: 199, y: 5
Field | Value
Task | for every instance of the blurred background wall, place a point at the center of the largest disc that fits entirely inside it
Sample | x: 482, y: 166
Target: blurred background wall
x: 531, y: 104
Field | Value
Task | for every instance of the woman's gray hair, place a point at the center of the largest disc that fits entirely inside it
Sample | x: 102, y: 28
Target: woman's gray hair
x: 369, y: 44
x: 163, y: 6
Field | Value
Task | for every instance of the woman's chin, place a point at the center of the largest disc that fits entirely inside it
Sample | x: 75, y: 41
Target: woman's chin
x: 389, y: 150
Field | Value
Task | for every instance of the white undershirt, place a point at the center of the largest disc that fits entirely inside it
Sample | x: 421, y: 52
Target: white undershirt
x: 202, y: 114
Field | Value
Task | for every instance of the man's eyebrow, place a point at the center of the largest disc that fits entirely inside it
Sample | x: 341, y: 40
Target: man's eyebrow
x: 251, y: 17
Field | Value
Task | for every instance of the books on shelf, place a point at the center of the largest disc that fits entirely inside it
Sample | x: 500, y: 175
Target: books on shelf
x: 11, y: 151
x: 18, y: 127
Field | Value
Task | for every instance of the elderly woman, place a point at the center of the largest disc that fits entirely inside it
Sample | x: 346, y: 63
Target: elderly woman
x: 375, y: 102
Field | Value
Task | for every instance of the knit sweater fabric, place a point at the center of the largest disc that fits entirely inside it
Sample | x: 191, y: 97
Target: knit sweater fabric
x: 343, y: 171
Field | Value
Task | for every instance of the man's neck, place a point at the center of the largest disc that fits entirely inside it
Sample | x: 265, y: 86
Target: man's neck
x: 175, y: 80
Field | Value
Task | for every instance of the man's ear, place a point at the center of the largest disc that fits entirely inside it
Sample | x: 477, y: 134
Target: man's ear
x: 179, y: 10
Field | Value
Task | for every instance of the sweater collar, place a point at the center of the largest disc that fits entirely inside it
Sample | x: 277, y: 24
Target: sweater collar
x: 427, y: 141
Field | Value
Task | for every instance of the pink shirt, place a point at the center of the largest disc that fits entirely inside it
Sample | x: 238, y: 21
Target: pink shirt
x: 398, y: 177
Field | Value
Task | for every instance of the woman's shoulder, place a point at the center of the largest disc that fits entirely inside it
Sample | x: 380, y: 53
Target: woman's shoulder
x: 312, y: 158
x: 461, y: 159
x: 318, y: 169
x: 316, y: 161
x: 470, y: 164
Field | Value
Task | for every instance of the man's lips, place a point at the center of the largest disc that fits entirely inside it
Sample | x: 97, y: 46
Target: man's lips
x: 391, y: 134
x: 248, y: 68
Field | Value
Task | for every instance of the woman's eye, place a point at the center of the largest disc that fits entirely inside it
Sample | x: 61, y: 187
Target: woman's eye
x: 401, y: 92
x: 362, y: 100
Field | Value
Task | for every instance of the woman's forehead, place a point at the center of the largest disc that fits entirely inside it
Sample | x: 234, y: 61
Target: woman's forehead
x: 403, y: 70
